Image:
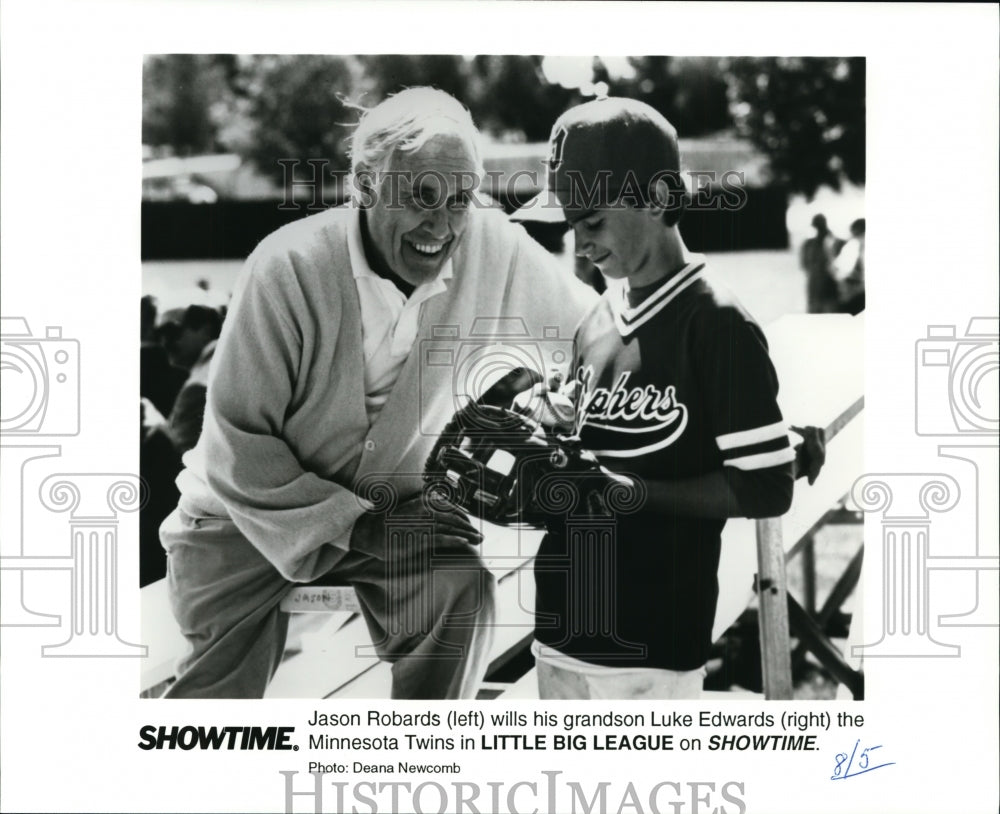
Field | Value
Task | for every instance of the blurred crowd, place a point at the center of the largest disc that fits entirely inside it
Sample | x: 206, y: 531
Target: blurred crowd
x: 176, y: 352
x: 835, y: 269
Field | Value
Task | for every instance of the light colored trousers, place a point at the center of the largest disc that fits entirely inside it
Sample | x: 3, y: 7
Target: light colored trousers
x: 567, y: 678
x: 435, y: 626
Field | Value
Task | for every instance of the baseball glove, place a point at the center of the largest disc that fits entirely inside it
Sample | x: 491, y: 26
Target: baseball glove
x: 503, y: 466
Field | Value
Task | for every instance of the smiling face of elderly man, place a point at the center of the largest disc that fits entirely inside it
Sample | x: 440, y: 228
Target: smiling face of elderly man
x: 416, y: 158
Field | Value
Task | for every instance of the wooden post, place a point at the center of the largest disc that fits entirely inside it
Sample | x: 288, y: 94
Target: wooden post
x: 809, y: 575
x: 772, y: 594
x: 772, y: 590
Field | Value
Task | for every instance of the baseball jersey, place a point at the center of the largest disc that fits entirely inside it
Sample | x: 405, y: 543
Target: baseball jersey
x: 675, y: 382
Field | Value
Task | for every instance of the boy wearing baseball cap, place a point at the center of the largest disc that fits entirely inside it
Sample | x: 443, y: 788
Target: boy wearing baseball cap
x: 674, y: 387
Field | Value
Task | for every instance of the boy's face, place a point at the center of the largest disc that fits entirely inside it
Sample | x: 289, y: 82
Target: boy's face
x: 619, y: 241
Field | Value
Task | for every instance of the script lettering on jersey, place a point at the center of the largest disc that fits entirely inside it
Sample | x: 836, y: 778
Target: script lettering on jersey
x: 644, y: 419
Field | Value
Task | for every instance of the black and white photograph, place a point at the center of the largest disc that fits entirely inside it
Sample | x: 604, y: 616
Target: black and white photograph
x: 486, y: 407
x: 602, y: 305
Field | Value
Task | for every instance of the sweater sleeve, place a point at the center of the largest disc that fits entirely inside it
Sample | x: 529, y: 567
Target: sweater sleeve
x: 299, y: 521
x: 550, y: 298
x: 187, y: 417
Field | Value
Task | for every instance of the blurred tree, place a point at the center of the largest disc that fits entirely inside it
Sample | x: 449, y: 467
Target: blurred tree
x: 806, y: 114
x: 390, y: 73
x: 690, y: 91
x: 295, y: 107
x: 181, y: 97
x: 511, y: 97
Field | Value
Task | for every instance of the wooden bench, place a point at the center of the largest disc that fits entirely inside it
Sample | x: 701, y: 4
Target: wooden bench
x: 330, y: 652
x: 819, y: 363
x: 345, y: 665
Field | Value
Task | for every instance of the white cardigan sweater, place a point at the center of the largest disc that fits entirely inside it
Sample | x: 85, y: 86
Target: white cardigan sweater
x: 286, y: 441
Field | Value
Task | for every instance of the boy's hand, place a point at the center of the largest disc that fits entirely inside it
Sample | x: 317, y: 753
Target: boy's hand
x: 810, y: 455
x: 554, y: 411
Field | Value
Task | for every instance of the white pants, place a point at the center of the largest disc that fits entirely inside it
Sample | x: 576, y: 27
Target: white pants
x: 567, y: 678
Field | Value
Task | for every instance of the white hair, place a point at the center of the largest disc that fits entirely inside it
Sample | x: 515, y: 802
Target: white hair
x: 404, y: 122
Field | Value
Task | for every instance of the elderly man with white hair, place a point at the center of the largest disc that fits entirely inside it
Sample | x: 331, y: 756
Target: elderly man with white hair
x: 320, y: 389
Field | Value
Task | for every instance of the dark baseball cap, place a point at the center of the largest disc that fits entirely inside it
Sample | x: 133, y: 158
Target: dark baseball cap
x: 602, y: 154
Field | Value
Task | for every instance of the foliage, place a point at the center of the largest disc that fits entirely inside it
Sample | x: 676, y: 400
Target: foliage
x: 690, y: 92
x: 807, y: 115
x: 512, y: 98
x: 293, y: 107
x: 180, y: 98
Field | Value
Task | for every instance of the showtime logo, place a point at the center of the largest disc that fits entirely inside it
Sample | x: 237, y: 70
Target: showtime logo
x: 216, y: 737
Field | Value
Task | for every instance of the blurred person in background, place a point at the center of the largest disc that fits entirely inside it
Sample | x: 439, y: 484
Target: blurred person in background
x: 198, y: 327
x: 166, y: 436
x: 192, y: 349
x: 159, y: 384
x: 849, y: 271
x: 159, y: 381
x: 816, y: 259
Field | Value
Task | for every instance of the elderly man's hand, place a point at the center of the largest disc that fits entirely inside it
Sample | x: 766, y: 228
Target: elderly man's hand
x: 453, y: 534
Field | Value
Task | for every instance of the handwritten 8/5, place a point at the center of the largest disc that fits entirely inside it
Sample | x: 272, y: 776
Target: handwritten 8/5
x: 845, y: 763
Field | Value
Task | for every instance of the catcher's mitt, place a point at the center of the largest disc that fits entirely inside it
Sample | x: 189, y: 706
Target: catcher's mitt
x: 503, y: 466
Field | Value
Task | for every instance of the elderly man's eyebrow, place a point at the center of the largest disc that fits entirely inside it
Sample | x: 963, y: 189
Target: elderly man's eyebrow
x: 428, y: 191
x: 427, y: 187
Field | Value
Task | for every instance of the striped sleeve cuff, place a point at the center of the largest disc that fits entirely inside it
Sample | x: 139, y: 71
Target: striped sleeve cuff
x: 757, y: 448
